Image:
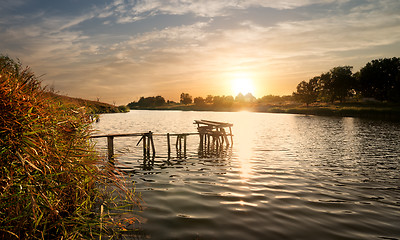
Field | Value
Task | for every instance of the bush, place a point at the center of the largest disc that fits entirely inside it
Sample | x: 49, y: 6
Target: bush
x: 48, y: 171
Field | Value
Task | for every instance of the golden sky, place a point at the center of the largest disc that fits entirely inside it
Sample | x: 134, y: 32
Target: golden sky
x: 120, y: 50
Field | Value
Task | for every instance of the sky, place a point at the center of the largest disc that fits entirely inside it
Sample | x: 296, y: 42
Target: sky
x: 117, y: 51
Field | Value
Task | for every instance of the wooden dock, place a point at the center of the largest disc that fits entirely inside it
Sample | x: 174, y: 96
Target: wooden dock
x: 213, y: 137
x: 215, y: 131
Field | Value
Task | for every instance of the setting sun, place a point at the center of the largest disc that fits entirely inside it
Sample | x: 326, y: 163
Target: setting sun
x: 242, y: 85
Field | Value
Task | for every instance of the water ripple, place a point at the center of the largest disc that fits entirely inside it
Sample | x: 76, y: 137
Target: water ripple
x: 286, y: 177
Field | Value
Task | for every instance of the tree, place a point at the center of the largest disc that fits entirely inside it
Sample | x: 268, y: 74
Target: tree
x: 186, y: 98
x: 270, y: 99
x: 240, y: 98
x: 159, y: 101
x: 209, y: 99
x: 249, y: 98
x: 337, y: 84
x: 307, y: 92
x: 144, y: 102
x: 325, y: 87
x: 342, y: 82
x: 380, y: 79
x: 223, y: 101
x: 199, y: 101
x: 148, y: 102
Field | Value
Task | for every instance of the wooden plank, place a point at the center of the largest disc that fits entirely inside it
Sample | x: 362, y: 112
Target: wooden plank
x: 110, y: 147
x: 206, y: 123
x: 141, y: 134
x: 144, y: 147
x: 119, y: 135
x: 214, y: 123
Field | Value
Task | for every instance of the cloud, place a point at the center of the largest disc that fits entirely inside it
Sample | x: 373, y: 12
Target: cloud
x: 109, y: 50
x: 133, y: 10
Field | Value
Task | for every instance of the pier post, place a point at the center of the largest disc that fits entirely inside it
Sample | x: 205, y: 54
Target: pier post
x: 180, y: 144
x: 201, y: 141
x: 144, y: 146
x: 152, y: 143
x: 208, y: 143
x: 177, y: 143
x: 224, y: 137
x: 230, y: 132
x: 169, y: 145
x: 148, y: 145
x: 217, y: 144
x: 110, y: 147
x: 184, y: 146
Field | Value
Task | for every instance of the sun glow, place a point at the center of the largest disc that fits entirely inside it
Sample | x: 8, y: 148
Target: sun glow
x: 242, y: 85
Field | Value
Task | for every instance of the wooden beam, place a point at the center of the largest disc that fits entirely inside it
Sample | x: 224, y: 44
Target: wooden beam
x: 152, y: 143
x: 144, y: 146
x: 169, y: 145
x: 141, y: 134
x: 184, y: 146
x: 110, y: 147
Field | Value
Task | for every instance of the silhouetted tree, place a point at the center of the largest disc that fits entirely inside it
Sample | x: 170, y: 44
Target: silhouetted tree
x: 185, y: 98
x: 380, y: 79
x: 270, y: 99
x: 249, y: 98
x: 209, y: 99
x: 145, y: 102
x: 223, y: 101
x: 325, y: 87
x: 337, y: 84
x: 132, y: 105
x: 240, y: 98
x: 148, y: 102
x: 307, y: 92
x: 199, y: 101
x: 343, y: 82
x: 159, y: 101
x: 228, y: 101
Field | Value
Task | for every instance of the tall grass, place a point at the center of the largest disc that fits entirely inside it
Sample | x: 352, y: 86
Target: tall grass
x: 50, y: 179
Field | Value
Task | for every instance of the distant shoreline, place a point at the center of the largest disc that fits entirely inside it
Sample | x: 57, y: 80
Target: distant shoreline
x: 377, y: 111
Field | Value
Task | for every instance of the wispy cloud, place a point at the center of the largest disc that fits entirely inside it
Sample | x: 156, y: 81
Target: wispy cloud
x: 133, y: 10
x: 108, y: 50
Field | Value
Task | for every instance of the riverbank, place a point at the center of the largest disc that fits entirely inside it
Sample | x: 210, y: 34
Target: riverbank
x: 94, y: 107
x: 382, y: 112
x: 53, y: 184
x: 374, y: 110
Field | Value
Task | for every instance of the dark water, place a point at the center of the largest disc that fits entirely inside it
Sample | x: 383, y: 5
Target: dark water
x: 286, y: 177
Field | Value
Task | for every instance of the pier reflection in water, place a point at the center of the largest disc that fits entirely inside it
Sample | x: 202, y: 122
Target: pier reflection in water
x: 285, y: 177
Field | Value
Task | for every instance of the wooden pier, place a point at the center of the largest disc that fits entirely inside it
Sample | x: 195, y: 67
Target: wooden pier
x: 213, y: 137
x: 215, y: 130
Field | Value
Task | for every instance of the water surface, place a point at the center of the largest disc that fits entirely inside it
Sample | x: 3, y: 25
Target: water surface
x: 286, y: 177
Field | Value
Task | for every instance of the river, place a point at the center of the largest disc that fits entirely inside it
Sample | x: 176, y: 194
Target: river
x: 285, y: 177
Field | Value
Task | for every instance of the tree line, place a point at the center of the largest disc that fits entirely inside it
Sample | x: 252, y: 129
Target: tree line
x: 377, y: 80
x: 210, y: 100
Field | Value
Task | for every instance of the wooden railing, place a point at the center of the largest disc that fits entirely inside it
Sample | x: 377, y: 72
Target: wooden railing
x: 147, y: 142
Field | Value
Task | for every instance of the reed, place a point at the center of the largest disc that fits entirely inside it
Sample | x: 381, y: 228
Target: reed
x: 51, y: 179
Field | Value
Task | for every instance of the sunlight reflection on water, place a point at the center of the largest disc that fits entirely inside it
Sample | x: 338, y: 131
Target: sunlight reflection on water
x: 286, y: 177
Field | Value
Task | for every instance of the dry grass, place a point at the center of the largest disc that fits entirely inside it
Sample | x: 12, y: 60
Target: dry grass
x: 49, y: 173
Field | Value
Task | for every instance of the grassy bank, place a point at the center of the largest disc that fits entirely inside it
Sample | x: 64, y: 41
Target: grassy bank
x: 382, y: 111
x: 385, y: 111
x: 49, y: 173
x: 94, y: 107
